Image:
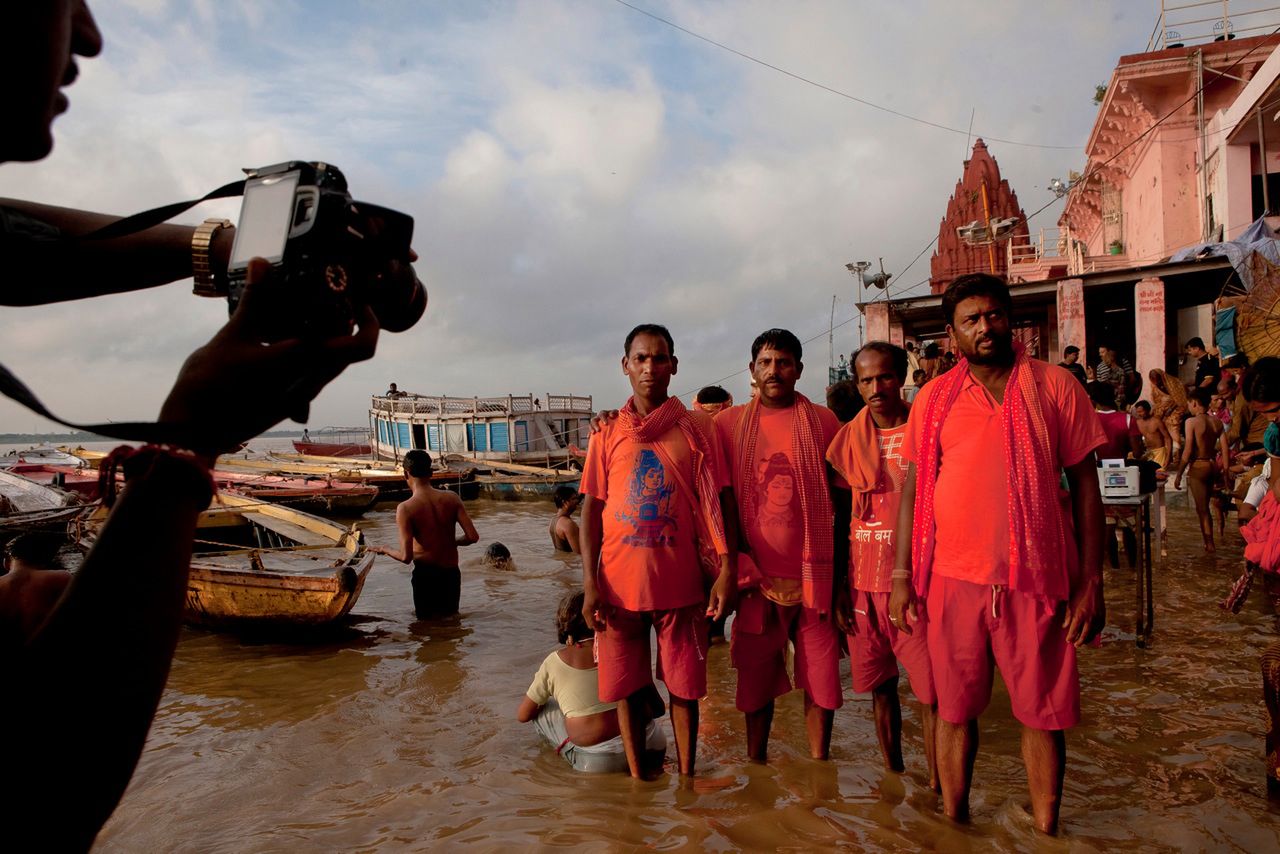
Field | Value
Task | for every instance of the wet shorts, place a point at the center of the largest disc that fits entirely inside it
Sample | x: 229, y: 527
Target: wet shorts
x: 972, y: 625
x: 436, y: 589
x: 878, y: 648
x: 759, y: 646
x: 622, y: 652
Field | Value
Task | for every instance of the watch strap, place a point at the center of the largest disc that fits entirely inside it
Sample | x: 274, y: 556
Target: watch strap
x: 202, y: 273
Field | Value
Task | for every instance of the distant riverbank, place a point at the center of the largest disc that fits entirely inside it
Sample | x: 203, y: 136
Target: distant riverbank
x: 80, y: 438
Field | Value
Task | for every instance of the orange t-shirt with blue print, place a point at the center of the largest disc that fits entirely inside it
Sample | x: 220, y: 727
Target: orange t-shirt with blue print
x: 648, y: 559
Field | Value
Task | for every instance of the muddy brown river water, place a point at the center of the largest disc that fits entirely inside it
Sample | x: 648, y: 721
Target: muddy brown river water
x: 401, y: 736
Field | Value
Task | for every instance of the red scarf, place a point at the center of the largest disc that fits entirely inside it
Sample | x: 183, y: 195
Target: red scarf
x: 1038, y: 540
x: 855, y: 454
x: 705, y: 497
x: 808, y: 458
x: 1262, y: 534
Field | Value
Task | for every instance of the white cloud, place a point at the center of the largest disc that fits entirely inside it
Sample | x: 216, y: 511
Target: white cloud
x: 574, y: 168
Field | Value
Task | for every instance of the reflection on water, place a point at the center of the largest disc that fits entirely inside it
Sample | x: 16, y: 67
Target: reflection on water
x: 403, y: 735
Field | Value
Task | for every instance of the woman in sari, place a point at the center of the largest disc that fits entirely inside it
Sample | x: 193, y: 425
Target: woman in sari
x: 1169, y: 404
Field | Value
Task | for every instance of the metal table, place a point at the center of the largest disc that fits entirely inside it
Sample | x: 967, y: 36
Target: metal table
x: 1147, y: 505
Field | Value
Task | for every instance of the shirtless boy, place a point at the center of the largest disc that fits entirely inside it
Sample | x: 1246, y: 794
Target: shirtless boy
x: 32, y: 583
x: 1156, y: 437
x: 427, y: 523
x: 564, y: 531
x: 1203, y: 436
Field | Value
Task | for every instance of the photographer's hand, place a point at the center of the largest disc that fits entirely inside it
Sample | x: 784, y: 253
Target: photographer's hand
x: 235, y: 387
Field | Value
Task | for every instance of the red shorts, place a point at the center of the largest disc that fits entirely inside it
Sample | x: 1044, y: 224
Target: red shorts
x: 622, y: 652
x: 758, y: 648
x: 972, y: 625
x: 878, y: 647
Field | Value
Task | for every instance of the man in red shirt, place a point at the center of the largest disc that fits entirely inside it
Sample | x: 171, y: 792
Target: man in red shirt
x: 867, y: 453
x: 1121, y: 429
x: 775, y: 453
x: 652, y: 480
x: 984, y: 540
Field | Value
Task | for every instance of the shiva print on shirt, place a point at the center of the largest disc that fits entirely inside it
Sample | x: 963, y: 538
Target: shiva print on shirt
x: 649, y: 506
x: 777, y: 502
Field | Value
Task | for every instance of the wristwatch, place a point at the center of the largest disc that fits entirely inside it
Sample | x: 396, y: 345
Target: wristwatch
x: 207, y: 282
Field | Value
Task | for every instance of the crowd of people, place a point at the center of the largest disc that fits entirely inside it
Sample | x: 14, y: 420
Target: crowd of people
x: 827, y: 533
x: 824, y: 534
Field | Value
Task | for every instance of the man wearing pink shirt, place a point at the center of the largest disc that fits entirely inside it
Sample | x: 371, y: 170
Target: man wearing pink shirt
x: 984, y: 540
x: 775, y: 458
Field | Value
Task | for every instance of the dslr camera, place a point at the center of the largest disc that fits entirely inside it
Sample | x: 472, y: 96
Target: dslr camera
x: 330, y: 255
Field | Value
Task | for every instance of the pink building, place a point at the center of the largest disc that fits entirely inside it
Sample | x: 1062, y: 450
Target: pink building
x: 1176, y: 158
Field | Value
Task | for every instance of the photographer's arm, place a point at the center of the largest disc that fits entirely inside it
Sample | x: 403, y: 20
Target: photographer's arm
x: 42, y: 272
x: 79, y: 698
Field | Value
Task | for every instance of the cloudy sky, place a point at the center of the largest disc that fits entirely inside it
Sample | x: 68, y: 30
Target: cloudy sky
x: 574, y: 167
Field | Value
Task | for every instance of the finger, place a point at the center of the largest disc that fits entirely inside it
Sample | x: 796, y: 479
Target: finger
x: 255, y: 278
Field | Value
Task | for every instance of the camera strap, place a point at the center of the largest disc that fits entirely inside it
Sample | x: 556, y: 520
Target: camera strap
x: 130, y: 431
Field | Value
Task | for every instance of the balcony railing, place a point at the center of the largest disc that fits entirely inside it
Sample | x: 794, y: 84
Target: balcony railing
x: 424, y: 404
x: 1051, y: 247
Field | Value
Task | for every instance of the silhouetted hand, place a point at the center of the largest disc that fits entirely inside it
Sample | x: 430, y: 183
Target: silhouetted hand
x: 235, y: 387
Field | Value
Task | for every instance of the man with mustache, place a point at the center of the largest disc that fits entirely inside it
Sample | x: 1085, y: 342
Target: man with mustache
x: 867, y: 453
x: 983, y: 541
x: 775, y: 453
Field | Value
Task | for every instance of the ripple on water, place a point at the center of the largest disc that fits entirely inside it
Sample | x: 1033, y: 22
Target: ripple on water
x: 403, y: 736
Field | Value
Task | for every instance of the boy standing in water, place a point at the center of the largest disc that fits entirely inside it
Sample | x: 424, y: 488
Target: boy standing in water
x: 652, y: 483
x: 564, y: 531
x: 427, y: 523
x: 1202, y: 437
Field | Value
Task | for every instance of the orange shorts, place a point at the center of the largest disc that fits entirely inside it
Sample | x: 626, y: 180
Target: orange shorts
x: 626, y: 666
x: 878, y: 648
x: 758, y: 648
x: 973, y: 625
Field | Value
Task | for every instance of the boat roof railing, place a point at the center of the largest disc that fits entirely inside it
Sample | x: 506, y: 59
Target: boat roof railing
x: 425, y: 404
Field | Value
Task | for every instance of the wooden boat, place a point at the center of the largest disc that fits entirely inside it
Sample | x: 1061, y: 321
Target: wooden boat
x: 336, y: 442
x: 312, y: 493
x: 388, y: 479
x: 264, y: 567
x: 53, y: 456
x: 26, y: 505
x: 81, y: 480
x: 515, y: 482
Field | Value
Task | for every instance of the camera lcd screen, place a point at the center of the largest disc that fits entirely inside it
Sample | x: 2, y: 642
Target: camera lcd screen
x: 265, y: 218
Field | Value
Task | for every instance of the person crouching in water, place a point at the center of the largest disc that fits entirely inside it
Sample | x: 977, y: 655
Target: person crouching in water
x: 564, y: 702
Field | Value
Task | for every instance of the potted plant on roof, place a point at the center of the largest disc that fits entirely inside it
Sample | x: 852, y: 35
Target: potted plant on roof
x: 1116, y: 247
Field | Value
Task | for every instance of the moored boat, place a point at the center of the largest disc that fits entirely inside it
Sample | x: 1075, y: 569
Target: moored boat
x: 335, y: 442
x: 81, y: 480
x: 26, y: 505
x: 515, y: 482
x: 312, y: 493
x: 388, y: 479
x: 513, y: 428
x: 264, y: 567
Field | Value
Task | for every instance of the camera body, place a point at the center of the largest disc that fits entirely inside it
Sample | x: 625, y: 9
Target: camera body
x: 330, y: 255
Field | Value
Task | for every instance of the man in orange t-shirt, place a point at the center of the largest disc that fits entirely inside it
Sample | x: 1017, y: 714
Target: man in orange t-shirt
x: 984, y: 539
x: 652, y: 480
x: 775, y: 453
x: 867, y: 453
